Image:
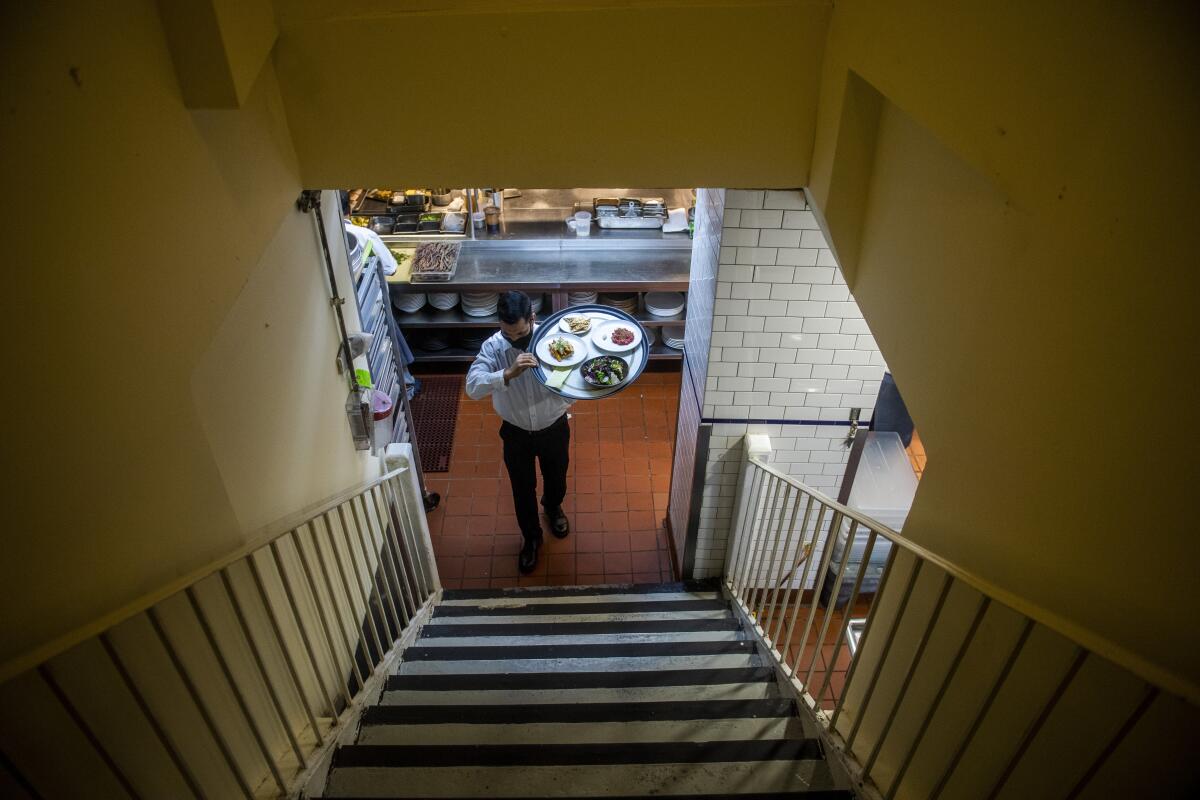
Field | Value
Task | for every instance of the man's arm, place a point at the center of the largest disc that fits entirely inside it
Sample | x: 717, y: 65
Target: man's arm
x: 486, y: 374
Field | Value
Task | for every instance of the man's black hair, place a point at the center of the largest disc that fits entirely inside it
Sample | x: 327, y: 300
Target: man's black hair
x: 514, y: 307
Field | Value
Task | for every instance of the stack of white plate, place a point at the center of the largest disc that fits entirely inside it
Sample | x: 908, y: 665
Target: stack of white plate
x: 435, y: 341
x: 673, y: 336
x: 665, y: 304
x: 480, y: 304
x: 626, y: 301
x: 473, y: 338
x: 651, y: 336
x: 408, y: 303
x: 535, y: 302
x: 443, y: 300
x: 581, y: 298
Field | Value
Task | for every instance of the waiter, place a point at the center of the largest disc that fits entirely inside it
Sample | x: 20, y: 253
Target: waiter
x: 535, y: 423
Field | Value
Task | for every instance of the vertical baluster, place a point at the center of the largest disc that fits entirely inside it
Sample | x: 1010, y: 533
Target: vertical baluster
x: 997, y: 685
x: 404, y: 548
x: 1148, y: 698
x: 862, y: 639
x: 947, y: 582
x: 386, y: 599
x: 401, y: 587
x: 198, y: 701
x: 151, y: 718
x: 48, y: 677
x: 781, y: 557
x: 787, y: 643
x: 243, y: 706
x: 759, y: 601
x: 848, y: 613
x: 865, y: 705
x: 358, y: 581
x: 1034, y: 729
x: 764, y: 547
x: 308, y: 645
x: 833, y: 598
x: 293, y: 673
x: 319, y: 608
x: 408, y: 580
x: 823, y: 570
x: 19, y: 777
x: 788, y: 576
x: 744, y: 530
x: 262, y: 667
x: 753, y: 536
x: 371, y: 590
x: 335, y: 613
x: 980, y: 611
x: 368, y: 626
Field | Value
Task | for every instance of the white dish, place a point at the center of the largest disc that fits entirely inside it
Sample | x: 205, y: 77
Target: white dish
x: 566, y: 328
x: 601, y: 334
x: 577, y: 357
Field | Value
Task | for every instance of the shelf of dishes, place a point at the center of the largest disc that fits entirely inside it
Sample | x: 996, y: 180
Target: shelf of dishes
x: 478, y: 309
x: 460, y: 352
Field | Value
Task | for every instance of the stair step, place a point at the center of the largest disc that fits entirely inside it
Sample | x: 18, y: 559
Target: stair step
x: 705, y: 585
x: 537, y: 733
x: 598, y: 770
x: 819, y: 794
x: 445, y: 610
x: 601, y: 679
x: 543, y: 599
x: 629, y: 694
x: 525, y: 628
x: 633, y: 664
x: 583, y: 615
x: 579, y: 712
x: 552, y: 754
x: 495, y: 652
x: 601, y: 638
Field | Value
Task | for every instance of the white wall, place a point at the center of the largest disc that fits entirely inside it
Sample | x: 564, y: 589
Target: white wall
x: 790, y: 356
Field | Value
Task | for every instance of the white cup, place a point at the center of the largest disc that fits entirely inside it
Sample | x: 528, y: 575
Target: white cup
x: 581, y: 223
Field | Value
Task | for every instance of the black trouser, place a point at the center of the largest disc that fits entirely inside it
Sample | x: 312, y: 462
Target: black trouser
x: 550, y: 446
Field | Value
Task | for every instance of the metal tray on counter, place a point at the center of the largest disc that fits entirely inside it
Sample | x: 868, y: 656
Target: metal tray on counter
x: 434, y: 277
x: 575, y: 388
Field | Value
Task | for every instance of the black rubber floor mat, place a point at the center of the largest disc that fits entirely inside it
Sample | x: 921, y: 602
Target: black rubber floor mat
x: 435, y: 412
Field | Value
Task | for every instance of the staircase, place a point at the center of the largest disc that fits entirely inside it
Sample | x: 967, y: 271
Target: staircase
x: 616, y: 692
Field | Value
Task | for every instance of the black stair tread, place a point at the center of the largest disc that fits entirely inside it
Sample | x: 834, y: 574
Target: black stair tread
x: 434, y: 630
x: 705, y: 585
x: 579, y: 680
x: 817, y: 794
x: 579, y: 712
x: 400, y: 756
x: 616, y: 650
x: 600, y: 607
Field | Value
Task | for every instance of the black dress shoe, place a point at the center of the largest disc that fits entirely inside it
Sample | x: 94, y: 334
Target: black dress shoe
x: 559, y: 525
x: 528, y: 558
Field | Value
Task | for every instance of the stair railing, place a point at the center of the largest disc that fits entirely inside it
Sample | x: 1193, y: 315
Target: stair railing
x: 847, y: 609
x: 236, y: 679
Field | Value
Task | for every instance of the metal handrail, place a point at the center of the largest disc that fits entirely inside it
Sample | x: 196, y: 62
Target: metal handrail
x: 1099, y: 645
x: 361, y: 589
x: 764, y: 547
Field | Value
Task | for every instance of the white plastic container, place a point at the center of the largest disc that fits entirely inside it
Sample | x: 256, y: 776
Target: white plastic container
x: 581, y: 223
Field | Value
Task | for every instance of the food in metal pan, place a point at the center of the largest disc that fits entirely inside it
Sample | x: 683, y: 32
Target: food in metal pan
x: 578, y: 324
x: 561, y: 349
x: 621, y: 336
x: 435, y: 257
x: 604, y: 371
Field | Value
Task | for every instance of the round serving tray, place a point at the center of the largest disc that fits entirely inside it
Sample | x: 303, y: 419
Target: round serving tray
x: 575, y: 388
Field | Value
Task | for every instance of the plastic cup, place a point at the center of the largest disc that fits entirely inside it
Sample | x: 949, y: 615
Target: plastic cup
x: 582, y: 223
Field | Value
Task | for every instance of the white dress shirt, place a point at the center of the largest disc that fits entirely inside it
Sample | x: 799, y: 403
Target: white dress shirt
x: 524, y: 401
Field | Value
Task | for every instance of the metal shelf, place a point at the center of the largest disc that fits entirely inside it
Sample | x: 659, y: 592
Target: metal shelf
x: 658, y: 352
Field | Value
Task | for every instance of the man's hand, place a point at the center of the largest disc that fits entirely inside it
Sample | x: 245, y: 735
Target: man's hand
x: 524, y: 361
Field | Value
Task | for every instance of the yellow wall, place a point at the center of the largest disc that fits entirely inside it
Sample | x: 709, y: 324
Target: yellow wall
x: 144, y: 244
x: 552, y: 93
x: 1025, y: 258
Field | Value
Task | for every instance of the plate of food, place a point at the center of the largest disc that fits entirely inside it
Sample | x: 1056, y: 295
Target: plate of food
x: 604, y: 371
x: 616, y: 336
x: 575, y: 323
x: 561, y: 350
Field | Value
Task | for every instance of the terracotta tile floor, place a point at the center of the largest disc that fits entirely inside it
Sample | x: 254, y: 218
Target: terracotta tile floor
x: 617, y: 487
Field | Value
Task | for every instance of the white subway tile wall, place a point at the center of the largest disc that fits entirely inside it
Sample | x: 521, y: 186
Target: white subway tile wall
x: 789, y: 344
